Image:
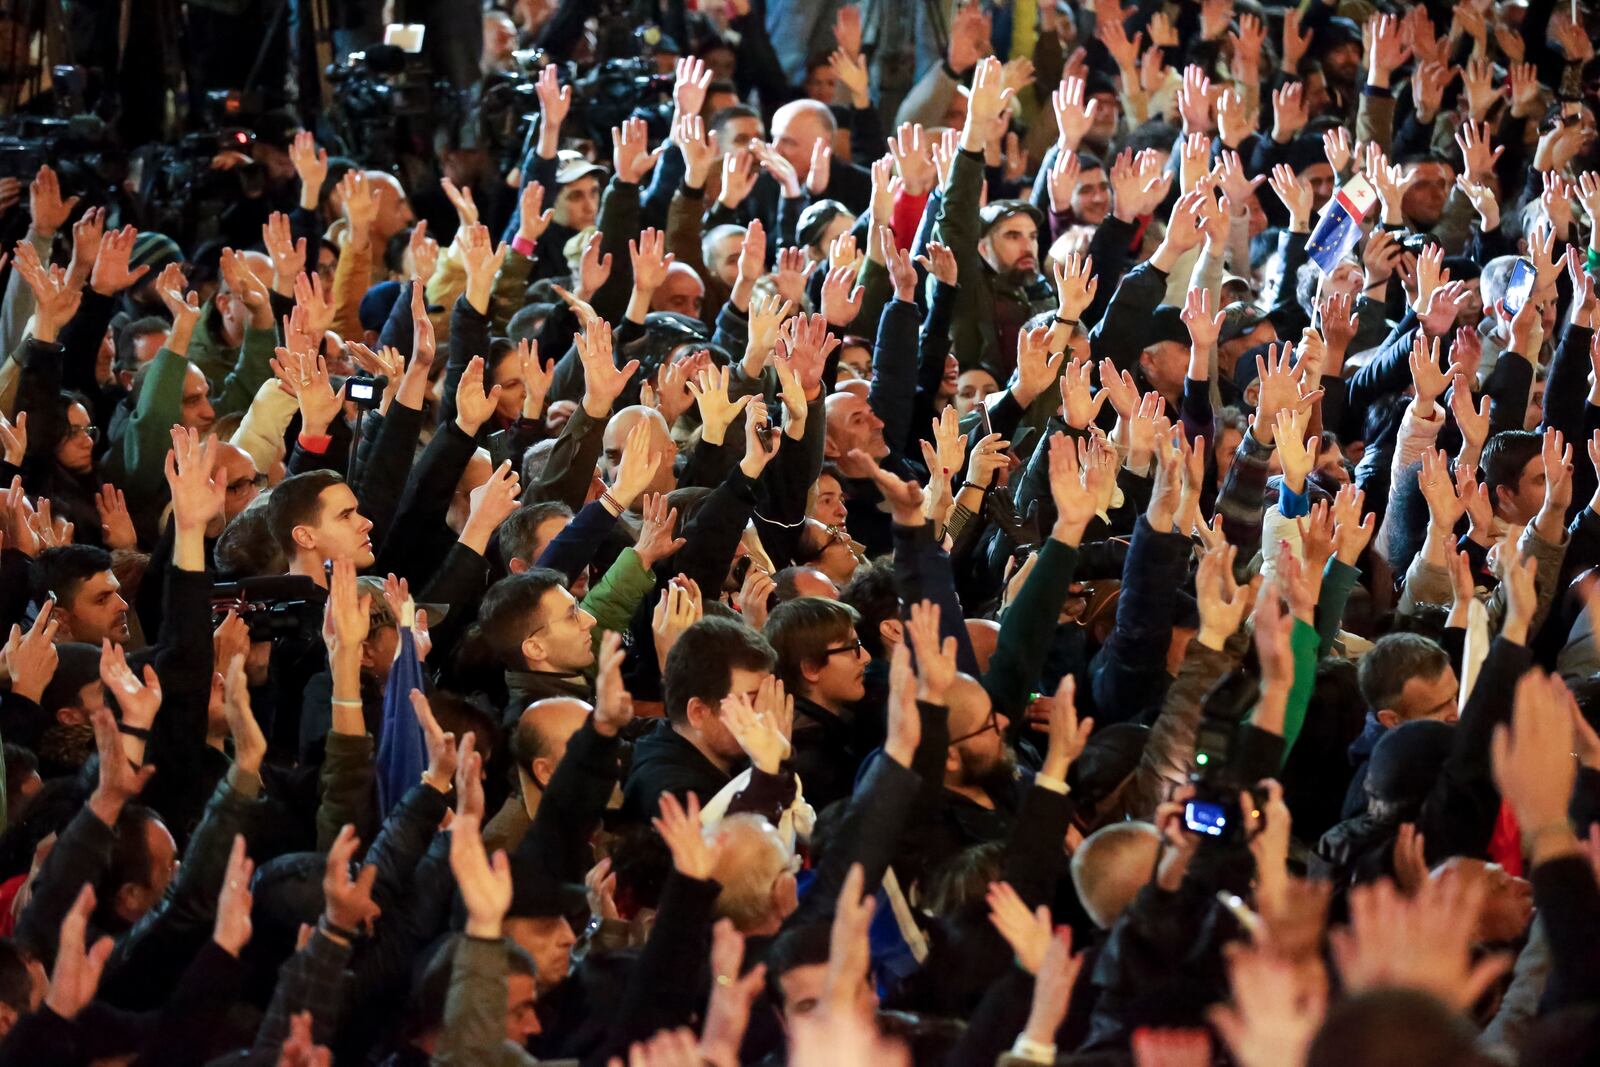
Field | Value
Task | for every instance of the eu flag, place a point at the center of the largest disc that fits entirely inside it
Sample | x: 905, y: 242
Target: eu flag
x: 1339, y: 228
x: 402, y: 750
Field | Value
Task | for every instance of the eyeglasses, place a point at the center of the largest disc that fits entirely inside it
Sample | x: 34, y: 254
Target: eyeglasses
x: 991, y: 723
x: 852, y: 648
x: 91, y: 431
x: 259, y: 481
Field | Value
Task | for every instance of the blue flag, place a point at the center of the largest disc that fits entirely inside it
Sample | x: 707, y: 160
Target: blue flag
x: 1339, y: 228
x: 402, y: 749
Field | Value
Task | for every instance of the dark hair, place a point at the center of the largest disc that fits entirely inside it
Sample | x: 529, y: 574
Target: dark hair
x: 394, y: 252
x: 20, y: 763
x: 1395, y: 1027
x: 805, y: 945
x: 130, y: 863
x: 1156, y: 133
x: 432, y: 989
x: 297, y: 501
x: 510, y: 612
x: 1503, y: 459
x: 16, y: 985
x: 703, y: 659
x: 1395, y: 660
x: 247, y: 547
x: 527, y: 322
x: 127, y: 357
x: 802, y: 630
x: 871, y: 593
x: 728, y: 114
x: 460, y: 716
x: 60, y: 571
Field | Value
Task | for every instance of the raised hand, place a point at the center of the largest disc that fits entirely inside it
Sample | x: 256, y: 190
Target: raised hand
x: 76, y: 976
x: 679, y: 827
x: 440, y: 743
x: 198, y: 490
x: 48, y: 210
x: 761, y: 727
x: 138, y: 701
x: 347, y: 901
x: 678, y: 608
x: 231, y: 931
x: 603, y: 380
x: 1028, y: 933
x: 111, y: 274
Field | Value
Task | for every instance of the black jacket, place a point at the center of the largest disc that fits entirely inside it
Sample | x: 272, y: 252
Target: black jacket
x: 665, y: 762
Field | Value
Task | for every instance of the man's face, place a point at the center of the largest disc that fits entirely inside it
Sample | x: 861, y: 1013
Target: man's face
x: 794, y: 136
x: 1345, y: 280
x: 1228, y: 352
x: 560, y: 641
x: 821, y: 82
x: 549, y: 941
x: 1012, y: 245
x: 736, y: 133
x: 1535, y: 409
x: 1521, y: 506
x: 724, y: 261
x: 852, y: 424
x: 1319, y: 176
x: 341, y: 531
x: 978, y: 733
x: 803, y: 989
x: 147, y: 345
x: 513, y: 390
x: 1429, y: 698
x: 682, y: 292
x: 713, y: 731
x: 971, y: 389
x: 1091, y: 197
x: 827, y: 506
x: 197, y: 413
x: 842, y: 679
x: 616, y: 435
x: 499, y: 38
x: 97, y: 611
x: 76, y: 450
x: 1423, y: 201
x: 163, y: 861
x: 234, y: 315
x: 239, y: 474
x: 394, y: 210
x: 522, y: 1016
x: 1507, y: 900
x: 1342, y: 61
x: 1164, y: 364
x: 578, y: 203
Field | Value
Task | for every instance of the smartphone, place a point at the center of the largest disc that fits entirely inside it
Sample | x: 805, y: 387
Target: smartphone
x: 1520, y: 285
x: 366, y: 392
x: 763, y: 428
x: 985, y: 427
x: 1205, y: 817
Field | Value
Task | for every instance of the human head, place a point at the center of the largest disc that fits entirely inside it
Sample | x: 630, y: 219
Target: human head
x: 719, y: 250
x: 819, y: 656
x: 616, y: 437
x: 755, y: 868
x: 89, y: 606
x: 394, y: 210
x: 499, y: 40
x: 1395, y: 1027
x: 712, y: 658
x: 75, y: 450
x: 681, y: 291
x: 137, y: 344
x: 1010, y: 241
x: 792, y: 583
x: 871, y: 593
x: 826, y: 549
x: 978, y: 757
x: 797, y: 973
x: 852, y: 424
x: 1111, y: 866
x: 527, y: 531
x: 821, y: 81
x: 540, y: 739
x: 1507, y: 900
x: 315, y: 518
x: 1513, y: 472
x: 22, y: 984
x: 577, y: 202
x: 827, y: 498
x: 143, y: 861
x: 733, y: 128
x: 797, y: 127
x: 1405, y: 677
x: 972, y: 388
x: 426, y: 1008
x: 196, y: 412
x: 1428, y: 181
x: 1091, y: 196
x: 531, y: 622
x: 243, y: 484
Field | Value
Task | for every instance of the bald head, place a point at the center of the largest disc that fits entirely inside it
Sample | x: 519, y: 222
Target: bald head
x: 682, y: 291
x: 239, y: 475
x: 985, y: 636
x: 797, y: 127
x: 969, y: 705
x: 1110, y: 867
x: 540, y: 739
x: 616, y: 439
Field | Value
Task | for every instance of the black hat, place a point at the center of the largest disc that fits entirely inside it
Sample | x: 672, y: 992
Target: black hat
x: 1407, y: 760
x: 997, y: 211
x: 1334, y: 32
x: 1167, y: 325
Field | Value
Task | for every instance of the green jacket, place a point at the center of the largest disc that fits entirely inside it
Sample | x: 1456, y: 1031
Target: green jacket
x: 613, y: 600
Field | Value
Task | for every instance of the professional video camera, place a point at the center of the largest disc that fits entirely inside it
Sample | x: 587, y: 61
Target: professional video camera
x: 623, y: 88
x: 274, y: 606
x: 1214, y: 809
x: 185, y: 193
x: 386, y: 103
x: 80, y: 148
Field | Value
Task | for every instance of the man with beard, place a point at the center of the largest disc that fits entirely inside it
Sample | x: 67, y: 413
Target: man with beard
x: 998, y: 259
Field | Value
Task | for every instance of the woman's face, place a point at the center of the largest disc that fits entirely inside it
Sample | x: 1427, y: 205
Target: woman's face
x: 76, y: 450
x: 858, y: 359
x: 971, y: 389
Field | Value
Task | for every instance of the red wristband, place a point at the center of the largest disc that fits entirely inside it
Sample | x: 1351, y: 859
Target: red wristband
x: 522, y: 246
x: 316, y: 444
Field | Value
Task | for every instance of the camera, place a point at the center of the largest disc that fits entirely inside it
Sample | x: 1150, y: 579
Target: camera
x: 1213, y: 812
x: 366, y: 392
x: 272, y: 606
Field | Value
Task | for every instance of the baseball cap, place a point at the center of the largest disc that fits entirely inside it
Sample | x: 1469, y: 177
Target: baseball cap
x: 1239, y: 319
x: 570, y: 166
x: 997, y: 211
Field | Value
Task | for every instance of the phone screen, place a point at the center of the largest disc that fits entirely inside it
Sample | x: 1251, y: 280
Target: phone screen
x: 1203, y: 817
x: 1520, y: 285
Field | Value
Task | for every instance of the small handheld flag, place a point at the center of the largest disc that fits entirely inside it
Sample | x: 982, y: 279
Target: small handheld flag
x: 1339, y: 228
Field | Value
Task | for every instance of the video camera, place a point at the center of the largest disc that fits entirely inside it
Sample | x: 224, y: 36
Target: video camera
x: 1213, y: 811
x: 387, y: 102
x: 272, y: 606
x: 79, y: 147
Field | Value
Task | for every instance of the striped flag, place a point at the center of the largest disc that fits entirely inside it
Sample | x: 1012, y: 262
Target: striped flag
x: 1340, y: 226
x: 402, y: 749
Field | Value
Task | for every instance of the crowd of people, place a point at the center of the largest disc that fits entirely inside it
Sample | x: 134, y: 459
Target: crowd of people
x: 1081, y: 554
